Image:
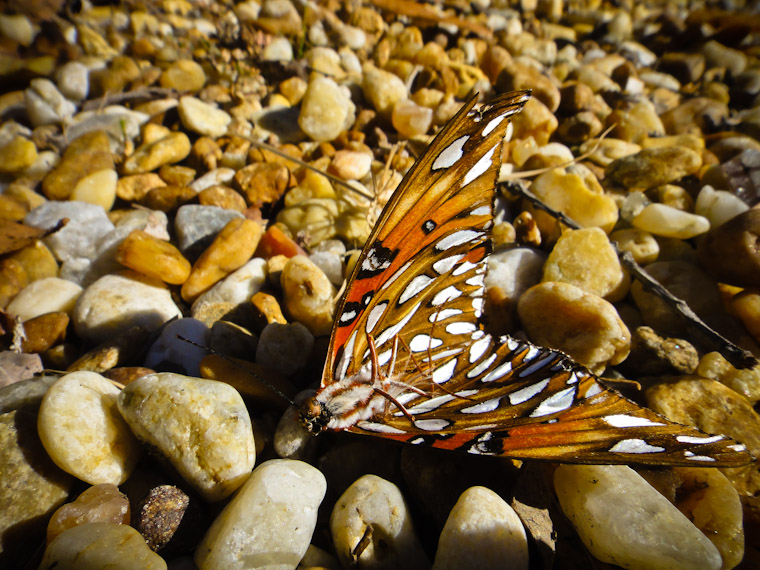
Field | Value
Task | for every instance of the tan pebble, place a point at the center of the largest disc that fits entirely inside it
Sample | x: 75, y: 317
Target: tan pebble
x: 203, y: 118
x: 653, y: 355
x: 167, y: 517
x: 640, y: 244
x: 44, y: 296
x: 37, y: 261
x: 275, y: 242
x: 694, y: 116
x: 123, y: 375
x: 44, y: 331
x: 262, y: 183
x: 167, y: 150
x: 207, y: 153
x: 586, y: 259
x: 746, y: 305
x: 526, y: 229
x: 585, y: 326
x: 12, y: 209
x: 13, y: 279
x: 99, y: 503
x: 308, y: 295
x: 168, y: 198
x: 665, y: 221
x: 326, y: 110
x: 231, y: 248
x: 154, y: 132
x: 636, y: 122
x: 653, y: 167
x: 744, y: 381
x: 535, y: 120
x: 223, y: 197
x: 410, y: 119
x: 351, y: 164
x: 268, y: 307
x: 183, y: 75
x: 97, y: 188
x: 382, y: 89
x: 17, y: 155
x: 604, y: 151
x: 516, y: 76
x: 24, y: 194
x: 83, y: 432
x: 133, y: 188
x: 293, y: 89
x: 114, y: 78
x: 673, y: 196
x: 85, y: 155
x: 176, y: 174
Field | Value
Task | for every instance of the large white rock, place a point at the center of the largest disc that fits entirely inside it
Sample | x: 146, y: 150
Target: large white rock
x: 47, y: 295
x: 623, y: 520
x: 270, y: 521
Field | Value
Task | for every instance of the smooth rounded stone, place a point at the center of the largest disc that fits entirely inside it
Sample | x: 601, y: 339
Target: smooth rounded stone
x: 636, y: 122
x: 115, y: 303
x: 326, y: 109
x: 18, y: 28
x: 374, y: 503
x: 203, y: 118
x: 666, y: 221
x: 235, y: 289
x: 230, y: 250
x: 382, y: 89
x: 99, y: 503
x: 47, y: 295
x: 583, y: 325
x: 197, y: 226
x: 73, y: 79
x: 284, y: 348
x: 15, y: 367
x: 285, y: 494
x: 586, y: 259
x: 183, y: 75
x: 169, y: 149
x: 17, y: 155
x: 181, y: 356
x: 745, y: 381
x: 201, y: 427
x: 133, y: 188
x: 640, y: 244
x: 88, y: 224
x: 169, y: 520
x: 686, y: 281
x: 97, y: 545
x: 411, y: 119
x: 169, y: 198
x: 576, y: 192
x: 351, y: 164
x: 98, y: 188
x: 308, y: 294
x: 31, y: 487
x: 120, y: 124
x: 579, y: 128
x: 694, y: 116
x: 482, y: 531
x: 653, y: 355
x: 25, y: 394
x: 279, y: 49
x: 223, y: 197
x: 44, y: 332
x: 746, y: 306
x: 85, y: 155
x: 515, y: 270
x: 263, y: 183
x: 623, y: 520
x: 213, y: 178
x: 729, y: 252
x: 535, y: 120
x: 653, y: 167
x: 268, y: 307
x: 686, y: 67
x: 516, y: 76
x: 291, y: 439
x: 153, y: 257
x: 36, y: 260
x: 45, y: 105
x: 83, y: 432
x: 718, y: 206
x: 719, y: 55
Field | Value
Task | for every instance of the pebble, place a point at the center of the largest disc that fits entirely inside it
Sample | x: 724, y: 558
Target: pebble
x: 156, y: 258
x: 45, y: 331
x: 291, y: 439
x: 351, y: 164
x: 653, y: 355
x: 197, y: 226
x: 728, y: 252
x: 201, y: 427
x: 666, y: 221
x: 98, y: 188
x: 169, y: 520
x: 235, y: 289
x: 99, y: 503
x: 183, y: 75
x: 382, y: 89
x: 83, y: 432
x: 97, y: 545
x: 47, y: 295
x: 331, y: 265
x: 411, y: 119
x: 73, y: 79
x: 482, y: 532
x: 133, y: 188
x: 374, y: 503
x: 652, y: 167
x: 45, y: 105
x: 86, y: 155
x: 203, y: 118
x: 623, y: 520
x: 586, y: 259
x: 308, y: 294
x: 32, y: 486
x: 16, y: 367
x: 583, y: 325
x: 746, y: 306
x: 642, y: 245
x: 286, y: 495
x: 115, y: 303
x: 284, y: 348
x: 745, y: 381
x: 17, y: 155
x: 326, y: 110
x: 262, y: 183
x: 718, y: 206
x: 171, y: 350
x: 169, y: 149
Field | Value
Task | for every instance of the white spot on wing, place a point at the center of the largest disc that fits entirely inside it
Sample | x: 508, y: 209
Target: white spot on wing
x: 555, y: 403
x: 739, y: 447
x: 461, y: 328
x: 451, y: 154
x: 374, y: 316
x: 415, y: 286
x: 444, y: 314
x: 635, y: 446
x: 430, y: 405
x: 393, y: 330
x: 444, y: 373
x: 480, y: 167
x: 478, y: 348
x: 444, y: 265
x: 422, y: 342
x: 396, y: 275
x: 492, y: 124
x: 593, y: 390
x: 481, y: 211
x: 498, y: 372
x: 431, y: 425
x: 464, y: 268
x: 525, y: 394
x: 378, y: 428
x: 482, y: 366
x: 699, y: 440
x: 689, y: 455
x: 445, y: 295
x: 625, y: 421
x: 457, y: 238
x: 487, y: 406
x: 348, y: 316
x: 345, y: 359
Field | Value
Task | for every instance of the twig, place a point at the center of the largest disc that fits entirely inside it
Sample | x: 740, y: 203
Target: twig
x: 702, y: 333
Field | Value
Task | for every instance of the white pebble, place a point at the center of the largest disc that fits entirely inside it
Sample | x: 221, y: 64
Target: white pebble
x: 237, y: 288
x: 82, y: 431
x: 45, y: 105
x: 171, y: 348
x: 515, y: 270
x: 330, y: 264
x: 326, y: 109
x: 482, y: 531
x: 201, y: 427
x: 270, y: 521
x: 203, y: 118
x: 665, y: 221
x: 291, y: 439
x: 47, y: 295
x: 623, y: 520
x: 73, y: 80
x: 718, y: 206
x: 279, y: 49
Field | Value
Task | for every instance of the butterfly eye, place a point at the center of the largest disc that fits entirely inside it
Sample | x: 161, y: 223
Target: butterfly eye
x: 313, y: 415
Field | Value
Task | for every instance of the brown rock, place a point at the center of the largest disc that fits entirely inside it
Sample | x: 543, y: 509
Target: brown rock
x: 13, y: 278
x: 45, y: 331
x: 85, y: 155
x: 168, y: 198
x: 153, y: 257
x: 653, y: 167
x: 516, y: 76
x: 686, y: 67
x: 730, y: 252
x: 99, y: 503
x: 653, y: 355
x: 119, y: 350
x: 694, y: 116
x: 263, y: 183
x: 222, y: 196
x: 268, y: 307
x: 176, y: 175
x: 169, y: 149
x: 134, y: 188
x: 169, y: 520
x: 37, y: 261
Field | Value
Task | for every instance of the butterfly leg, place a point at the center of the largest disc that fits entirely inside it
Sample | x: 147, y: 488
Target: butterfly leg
x: 376, y: 380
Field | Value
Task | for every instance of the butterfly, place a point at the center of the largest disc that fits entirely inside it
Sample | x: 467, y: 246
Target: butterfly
x: 409, y: 359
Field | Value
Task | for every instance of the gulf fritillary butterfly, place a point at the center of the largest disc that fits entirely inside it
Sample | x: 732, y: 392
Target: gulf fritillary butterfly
x: 409, y: 359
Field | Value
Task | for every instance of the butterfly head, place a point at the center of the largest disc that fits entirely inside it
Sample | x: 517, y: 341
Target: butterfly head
x: 314, y: 415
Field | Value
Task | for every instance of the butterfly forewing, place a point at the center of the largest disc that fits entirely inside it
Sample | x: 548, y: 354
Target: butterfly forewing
x: 409, y: 359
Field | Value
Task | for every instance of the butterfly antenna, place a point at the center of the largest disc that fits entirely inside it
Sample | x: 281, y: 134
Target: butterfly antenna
x: 271, y: 387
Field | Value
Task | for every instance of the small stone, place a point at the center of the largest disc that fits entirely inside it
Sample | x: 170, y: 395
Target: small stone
x: 482, y: 531
x: 83, y: 432
x: 97, y: 545
x: 516, y: 76
x: 263, y: 183
x: 197, y: 226
x: 729, y: 252
x: 331, y: 265
x: 535, y: 120
x: 636, y: 123
x: 718, y: 55
x: 16, y: 367
x: 268, y: 308
x: 183, y: 75
x: 623, y: 520
x: 383, y: 89
x: 718, y: 206
x: 115, y: 303
x: 168, y: 198
x: 47, y: 295
x: 153, y: 257
x: 200, y: 427
x: 44, y: 331
x: 85, y: 155
x: 279, y: 49
x: 280, y: 17
x: 291, y: 439
x: 121, y: 71
x: 115, y: 351
x: 374, y: 503
x: 172, y: 351
x: 23, y: 395
x: 579, y: 128
x: 18, y: 28
x: 746, y: 306
x: 17, y: 155
x: 653, y: 355
x: 168, y: 519
x: 212, y: 178
x: 203, y: 118
x: 73, y: 80
x: 665, y: 221
x: 98, y: 188
x: 653, y: 167
x: 134, y: 188
x: 12, y: 209
x: 604, y: 151
x: 686, y: 67
x: 170, y: 149
x: 235, y: 289
x: 351, y: 164
x: 326, y: 110
x: 286, y: 495
x: 284, y: 348
x: 640, y: 244
x: 695, y: 116
x: 567, y: 318
x: 230, y: 250
x: 410, y: 119
x: 12, y: 280
x: 222, y: 197
x: 308, y: 295
x: 586, y: 259
x: 45, y: 105
x: 745, y: 381
x: 100, y: 503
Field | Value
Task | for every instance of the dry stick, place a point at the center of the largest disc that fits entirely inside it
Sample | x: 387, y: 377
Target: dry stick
x: 700, y: 331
